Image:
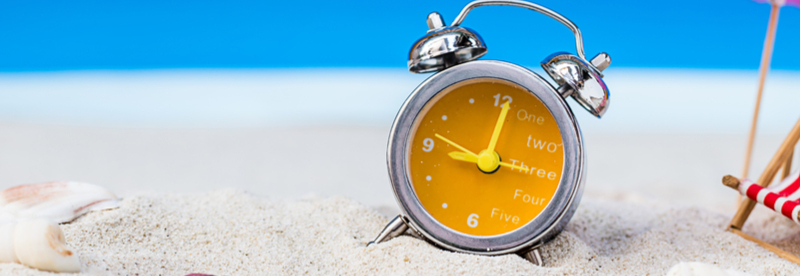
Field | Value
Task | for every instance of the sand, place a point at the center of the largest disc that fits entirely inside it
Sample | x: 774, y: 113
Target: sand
x: 651, y: 202
x: 231, y: 232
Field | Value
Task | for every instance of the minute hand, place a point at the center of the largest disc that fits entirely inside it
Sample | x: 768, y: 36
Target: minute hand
x: 497, y: 127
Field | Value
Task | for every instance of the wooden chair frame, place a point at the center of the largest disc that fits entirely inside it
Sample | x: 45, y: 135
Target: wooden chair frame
x: 782, y: 160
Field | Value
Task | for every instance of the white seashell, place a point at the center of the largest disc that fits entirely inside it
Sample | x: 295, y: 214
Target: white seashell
x: 57, y: 201
x: 7, y: 254
x: 29, y: 217
x: 39, y: 243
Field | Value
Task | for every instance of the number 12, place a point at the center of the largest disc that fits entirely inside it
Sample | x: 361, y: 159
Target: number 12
x: 497, y: 99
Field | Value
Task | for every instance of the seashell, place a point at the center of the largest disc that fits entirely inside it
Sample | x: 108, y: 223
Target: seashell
x: 7, y: 254
x: 29, y: 217
x: 37, y: 243
x: 58, y: 201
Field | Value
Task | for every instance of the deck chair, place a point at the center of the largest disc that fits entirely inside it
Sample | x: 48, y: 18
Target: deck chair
x: 783, y: 197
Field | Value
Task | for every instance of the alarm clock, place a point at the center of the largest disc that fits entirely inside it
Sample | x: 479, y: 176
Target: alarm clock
x: 485, y: 156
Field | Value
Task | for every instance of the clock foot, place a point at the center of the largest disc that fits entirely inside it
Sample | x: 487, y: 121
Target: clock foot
x: 534, y: 256
x: 395, y: 228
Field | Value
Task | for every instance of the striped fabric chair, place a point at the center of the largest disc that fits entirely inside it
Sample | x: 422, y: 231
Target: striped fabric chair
x: 783, y: 197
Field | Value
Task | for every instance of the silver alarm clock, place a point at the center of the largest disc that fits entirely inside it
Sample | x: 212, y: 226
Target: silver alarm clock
x: 485, y: 156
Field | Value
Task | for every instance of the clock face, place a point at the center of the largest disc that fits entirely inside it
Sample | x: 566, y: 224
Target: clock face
x: 485, y: 157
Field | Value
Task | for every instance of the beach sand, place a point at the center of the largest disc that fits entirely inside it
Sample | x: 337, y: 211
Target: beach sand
x: 230, y: 232
x: 253, y: 201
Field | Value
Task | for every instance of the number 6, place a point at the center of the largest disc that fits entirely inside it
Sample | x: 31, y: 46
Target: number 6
x: 472, y: 220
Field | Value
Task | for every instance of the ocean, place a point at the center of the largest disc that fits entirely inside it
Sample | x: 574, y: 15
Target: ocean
x: 642, y: 100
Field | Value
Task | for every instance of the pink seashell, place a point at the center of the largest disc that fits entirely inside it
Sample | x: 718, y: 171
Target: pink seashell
x: 57, y: 201
x: 29, y: 217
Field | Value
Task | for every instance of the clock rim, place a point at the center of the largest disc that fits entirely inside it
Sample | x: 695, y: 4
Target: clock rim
x: 539, y: 230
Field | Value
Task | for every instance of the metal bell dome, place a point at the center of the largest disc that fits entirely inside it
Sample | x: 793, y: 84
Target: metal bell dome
x: 588, y: 87
x: 444, y: 47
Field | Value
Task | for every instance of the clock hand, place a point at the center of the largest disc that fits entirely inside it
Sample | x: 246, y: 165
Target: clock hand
x: 463, y: 156
x: 488, y: 160
x: 455, y: 145
x: 504, y: 164
x: 468, y: 156
x: 497, y: 127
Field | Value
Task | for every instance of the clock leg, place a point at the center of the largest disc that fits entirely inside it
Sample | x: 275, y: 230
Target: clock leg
x: 534, y: 256
x: 395, y: 228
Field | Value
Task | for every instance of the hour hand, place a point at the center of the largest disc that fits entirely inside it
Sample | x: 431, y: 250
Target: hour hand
x: 455, y: 145
x: 463, y: 156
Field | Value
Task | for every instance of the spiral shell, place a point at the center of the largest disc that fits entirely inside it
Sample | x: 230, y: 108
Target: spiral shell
x: 29, y: 218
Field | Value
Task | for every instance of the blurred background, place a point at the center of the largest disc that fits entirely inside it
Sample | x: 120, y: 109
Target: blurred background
x: 267, y: 96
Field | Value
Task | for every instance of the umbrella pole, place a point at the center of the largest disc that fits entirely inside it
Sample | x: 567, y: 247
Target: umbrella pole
x: 766, y: 57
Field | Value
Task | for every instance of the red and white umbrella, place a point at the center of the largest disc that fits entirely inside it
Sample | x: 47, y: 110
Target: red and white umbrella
x: 779, y: 3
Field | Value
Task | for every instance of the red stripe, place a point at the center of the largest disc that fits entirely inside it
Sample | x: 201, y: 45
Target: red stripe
x: 791, y: 189
x: 788, y: 207
x: 752, y: 191
x: 770, y: 199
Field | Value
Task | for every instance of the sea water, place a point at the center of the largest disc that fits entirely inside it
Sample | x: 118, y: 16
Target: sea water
x: 642, y: 100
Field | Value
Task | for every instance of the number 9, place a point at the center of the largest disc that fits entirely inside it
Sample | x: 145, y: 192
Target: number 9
x: 427, y: 145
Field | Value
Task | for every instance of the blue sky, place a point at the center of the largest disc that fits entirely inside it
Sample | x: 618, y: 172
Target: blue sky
x: 91, y: 35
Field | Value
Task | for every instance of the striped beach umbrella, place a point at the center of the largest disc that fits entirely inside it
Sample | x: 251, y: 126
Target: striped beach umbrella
x: 780, y: 3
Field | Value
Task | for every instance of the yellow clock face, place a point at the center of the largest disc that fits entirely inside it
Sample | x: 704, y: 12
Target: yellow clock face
x: 485, y: 157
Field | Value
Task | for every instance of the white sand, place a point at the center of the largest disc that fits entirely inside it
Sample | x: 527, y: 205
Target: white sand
x: 228, y: 232
x: 636, y: 217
